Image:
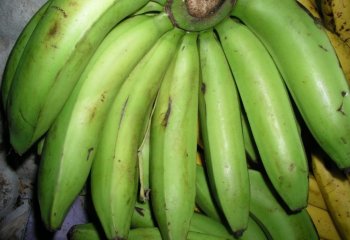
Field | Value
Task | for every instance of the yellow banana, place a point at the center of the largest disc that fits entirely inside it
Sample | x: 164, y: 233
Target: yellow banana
x: 315, y: 196
x: 323, y: 223
x: 341, y: 15
x: 335, y: 189
x: 327, y: 14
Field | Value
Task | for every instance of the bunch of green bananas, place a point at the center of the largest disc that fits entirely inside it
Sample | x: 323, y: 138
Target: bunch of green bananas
x: 113, y: 92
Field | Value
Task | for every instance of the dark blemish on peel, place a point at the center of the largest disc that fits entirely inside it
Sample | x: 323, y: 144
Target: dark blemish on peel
x: 323, y: 48
x: 140, y: 211
x: 167, y: 114
x: 61, y: 10
x: 203, y: 88
x: 89, y: 153
x: 340, y: 109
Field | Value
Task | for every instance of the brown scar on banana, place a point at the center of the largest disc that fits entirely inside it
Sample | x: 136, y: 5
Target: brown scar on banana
x: 340, y: 109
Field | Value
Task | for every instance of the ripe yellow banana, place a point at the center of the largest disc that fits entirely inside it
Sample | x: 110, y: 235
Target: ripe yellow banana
x: 114, y: 174
x: 335, y: 189
x: 174, y: 143
x: 310, y: 68
x: 323, y: 223
x: 311, y: 7
x: 56, y: 55
x: 341, y: 16
x: 327, y: 14
x: 269, y: 111
x: 315, y: 196
x: 71, y: 142
x: 343, y: 52
x: 220, y: 118
x: 17, y: 52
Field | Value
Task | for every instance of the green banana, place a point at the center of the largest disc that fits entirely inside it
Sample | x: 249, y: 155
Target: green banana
x: 142, y: 216
x: 269, y: 111
x: 211, y: 224
x: 154, y: 234
x: 56, y: 55
x: 143, y: 161
x: 17, y: 52
x: 308, y: 63
x: 220, y: 118
x: 150, y: 7
x: 85, y: 231
x: 71, y: 142
x: 114, y: 176
x: 174, y: 143
x: 204, y: 196
x: 279, y: 222
x: 249, y: 142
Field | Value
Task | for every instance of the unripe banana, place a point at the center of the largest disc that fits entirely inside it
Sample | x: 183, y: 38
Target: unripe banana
x: 212, y: 223
x: 279, y: 221
x: 174, y: 143
x: 56, y: 55
x: 203, y: 195
x: 220, y: 118
x: 154, y: 234
x: 310, y: 68
x: 143, y: 161
x: 71, y: 142
x: 269, y: 111
x: 249, y: 142
x: 17, y: 52
x: 341, y: 48
x: 114, y: 176
x: 85, y: 231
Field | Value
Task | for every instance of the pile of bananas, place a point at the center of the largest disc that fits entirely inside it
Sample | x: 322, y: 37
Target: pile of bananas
x: 184, y: 119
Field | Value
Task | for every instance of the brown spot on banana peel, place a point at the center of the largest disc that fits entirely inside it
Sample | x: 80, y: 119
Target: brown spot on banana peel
x: 53, y: 30
x: 90, y: 150
x: 123, y: 112
x: 167, y: 113
x: 140, y: 211
x: 60, y: 10
x: 323, y: 48
x: 340, y: 109
x: 203, y: 88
